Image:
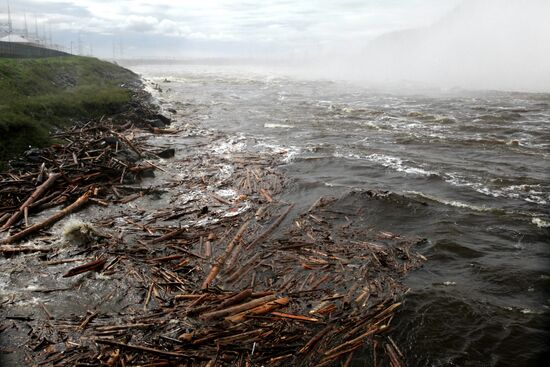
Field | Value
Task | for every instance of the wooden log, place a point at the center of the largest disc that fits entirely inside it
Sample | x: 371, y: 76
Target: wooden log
x: 187, y: 296
x: 87, y: 320
x: 294, y: 317
x: 123, y: 327
x: 169, y: 235
x: 241, y: 271
x: 220, y: 199
x: 347, y: 363
x: 40, y: 190
x: 271, y: 228
x: 235, y: 299
x: 238, y: 308
x: 395, y: 361
x: 221, y: 260
x: 165, y: 258
x: 266, y: 195
x: 129, y: 143
x: 233, y: 338
x: 65, y: 261
x: 91, y: 266
x: 9, y: 249
x: 208, y: 246
x: 315, y: 339
x: 352, y: 342
x: 140, y: 348
x: 51, y: 220
x: 262, y: 309
x: 4, y: 217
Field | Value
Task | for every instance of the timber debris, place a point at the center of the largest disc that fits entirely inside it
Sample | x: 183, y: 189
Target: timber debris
x: 212, y: 279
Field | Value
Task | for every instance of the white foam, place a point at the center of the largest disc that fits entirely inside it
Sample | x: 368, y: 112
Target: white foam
x: 229, y: 146
x: 288, y: 152
x: 398, y: 164
x: 278, y: 126
x: 238, y: 211
x: 454, y: 203
x: 512, y: 192
x: 227, y: 193
x: 225, y: 172
x: 540, y: 223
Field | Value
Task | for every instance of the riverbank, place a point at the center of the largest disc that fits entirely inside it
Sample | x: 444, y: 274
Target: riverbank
x: 40, y: 95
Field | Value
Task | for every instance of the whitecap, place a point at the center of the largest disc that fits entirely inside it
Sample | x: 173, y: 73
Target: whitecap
x: 453, y: 203
x: 280, y: 126
x: 398, y: 164
x: 230, y: 146
x: 540, y: 223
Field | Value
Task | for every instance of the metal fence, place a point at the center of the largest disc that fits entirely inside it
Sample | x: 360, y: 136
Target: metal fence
x: 21, y: 50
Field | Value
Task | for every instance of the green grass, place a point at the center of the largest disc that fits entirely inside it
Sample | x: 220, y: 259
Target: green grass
x: 37, y: 95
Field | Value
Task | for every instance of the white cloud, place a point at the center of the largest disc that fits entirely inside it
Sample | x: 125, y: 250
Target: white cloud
x: 286, y: 23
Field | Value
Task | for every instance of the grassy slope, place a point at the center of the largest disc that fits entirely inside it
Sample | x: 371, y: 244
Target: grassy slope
x: 37, y: 95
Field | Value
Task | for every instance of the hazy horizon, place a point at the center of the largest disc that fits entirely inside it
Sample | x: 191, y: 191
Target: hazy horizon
x: 471, y: 44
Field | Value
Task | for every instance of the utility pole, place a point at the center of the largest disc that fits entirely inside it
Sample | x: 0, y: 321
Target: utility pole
x: 50, y: 33
x: 10, y: 27
x: 26, y: 26
x: 36, y: 36
x: 79, y: 44
x: 44, y: 35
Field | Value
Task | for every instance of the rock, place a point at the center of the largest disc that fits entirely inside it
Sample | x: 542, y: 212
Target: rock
x: 155, y: 123
x: 164, y: 119
x: 167, y: 153
x: 111, y: 140
x: 147, y: 173
x: 34, y: 155
x: 126, y: 155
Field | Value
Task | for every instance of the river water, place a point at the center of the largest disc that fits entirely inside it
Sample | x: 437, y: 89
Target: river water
x: 469, y: 171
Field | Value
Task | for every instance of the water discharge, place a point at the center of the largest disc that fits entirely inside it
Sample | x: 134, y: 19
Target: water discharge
x: 468, y: 171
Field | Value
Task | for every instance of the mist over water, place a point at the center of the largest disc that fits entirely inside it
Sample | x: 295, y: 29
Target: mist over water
x: 480, y: 44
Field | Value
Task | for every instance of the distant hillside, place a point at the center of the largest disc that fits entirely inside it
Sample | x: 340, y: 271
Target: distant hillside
x: 37, y: 95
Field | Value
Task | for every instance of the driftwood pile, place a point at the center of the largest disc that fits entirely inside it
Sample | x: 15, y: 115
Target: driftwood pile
x: 208, y: 280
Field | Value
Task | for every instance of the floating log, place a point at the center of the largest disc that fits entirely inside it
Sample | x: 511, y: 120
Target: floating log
x: 40, y: 190
x: 51, y: 220
x: 91, y: 266
x: 221, y: 260
x: 238, y: 308
x: 262, y: 309
x: 271, y: 228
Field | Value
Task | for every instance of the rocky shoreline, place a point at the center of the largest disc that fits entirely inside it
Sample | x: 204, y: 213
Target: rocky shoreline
x: 169, y: 246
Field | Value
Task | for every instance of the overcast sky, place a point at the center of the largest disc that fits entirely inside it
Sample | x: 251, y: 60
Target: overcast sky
x: 161, y: 28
